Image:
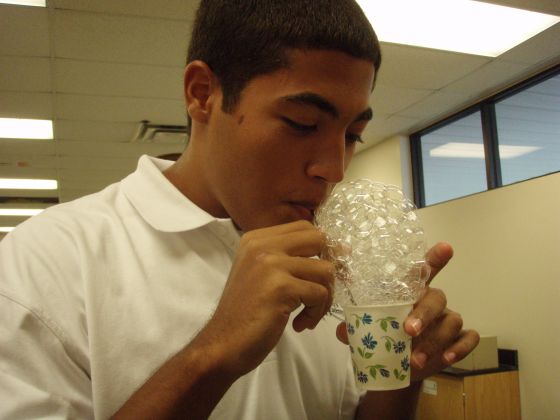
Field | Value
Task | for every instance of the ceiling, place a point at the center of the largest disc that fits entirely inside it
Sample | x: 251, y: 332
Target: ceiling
x: 99, y: 67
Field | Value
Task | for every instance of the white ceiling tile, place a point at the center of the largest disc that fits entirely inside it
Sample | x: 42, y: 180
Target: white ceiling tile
x: 69, y: 194
x: 435, y: 107
x: 97, y: 131
x: 28, y: 172
x: 169, y: 9
x: 91, y: 185
x: 543, y: 47
x: 423, y: 68
x: 120, y: 39
x: 489, y: 79
x: 101, y: 164
x: 112, y: 79
x: 11, y: 221
x: 104, y: 175
x: 26, y: 105
x: 79, y: 181
x: 102, y: 108
x: 18, y: 148
x: 34, y: 161
x: 543, y: 6
x: 24, y: 31
x: 25, y: 74
x: 387, y: 99
x: 119, y: 151
x: 382, y: 127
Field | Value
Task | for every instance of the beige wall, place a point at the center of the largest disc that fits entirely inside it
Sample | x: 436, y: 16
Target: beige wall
x: 387, y: 162
x: 505, y: 276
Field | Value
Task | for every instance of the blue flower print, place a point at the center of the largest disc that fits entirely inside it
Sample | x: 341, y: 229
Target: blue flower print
x: 366, y: 319
x: 384, y: 372
x: 405, y: 364
x: 399, y: 346
x: 362, y: 377
x: 350, y: 328
x: 369, y: 341
x: 395, y: 325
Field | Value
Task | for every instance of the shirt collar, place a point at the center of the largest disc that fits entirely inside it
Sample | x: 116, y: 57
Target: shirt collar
x: 159, y: 202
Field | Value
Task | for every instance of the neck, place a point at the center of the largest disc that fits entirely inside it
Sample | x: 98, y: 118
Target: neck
x: 187, y: 174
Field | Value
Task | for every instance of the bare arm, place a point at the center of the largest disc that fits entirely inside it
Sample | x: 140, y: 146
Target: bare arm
x: 190, y: 382
x: 270, y: 278
x: 389, y: 405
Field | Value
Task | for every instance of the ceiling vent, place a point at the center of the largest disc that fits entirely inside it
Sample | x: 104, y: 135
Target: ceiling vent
x: 160, y: 133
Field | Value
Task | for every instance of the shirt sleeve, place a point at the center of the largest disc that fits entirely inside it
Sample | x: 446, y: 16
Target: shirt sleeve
x: 40, y: 372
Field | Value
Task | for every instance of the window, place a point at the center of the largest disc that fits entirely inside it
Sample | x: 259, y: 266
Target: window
x: 510, y: 137
x: 529, y: 132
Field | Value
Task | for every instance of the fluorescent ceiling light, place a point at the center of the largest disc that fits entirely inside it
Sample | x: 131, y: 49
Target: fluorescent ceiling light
x: 28, y: 184
x: 6, y: 229
x: 20, y: 212
x: 476, y: 151
x: 38, y: 3
x: 20, y: 128
x: 465, y: 26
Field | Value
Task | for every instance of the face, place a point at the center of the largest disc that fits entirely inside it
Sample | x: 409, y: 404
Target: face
x: 288, y: 141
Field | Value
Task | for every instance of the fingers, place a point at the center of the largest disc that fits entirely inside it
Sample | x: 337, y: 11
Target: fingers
x: 441, y: 334
x: 296, y: 239
x: 465, y: 342
x: 300, y: 280
x: 316, y: 300
x: 427, y: 310
x: 437, y: 257
x: 287, y: 248
x: 280, y: 229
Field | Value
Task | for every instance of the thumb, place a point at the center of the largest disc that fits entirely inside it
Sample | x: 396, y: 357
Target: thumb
x: 341, y: 333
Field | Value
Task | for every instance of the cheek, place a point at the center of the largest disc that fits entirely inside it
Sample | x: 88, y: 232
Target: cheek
x: 348, y: 156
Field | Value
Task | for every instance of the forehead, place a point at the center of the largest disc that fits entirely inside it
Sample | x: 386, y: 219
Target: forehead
x: 340, y: 78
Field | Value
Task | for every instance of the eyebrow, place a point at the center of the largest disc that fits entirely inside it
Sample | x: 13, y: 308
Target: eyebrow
x: 309, y: 98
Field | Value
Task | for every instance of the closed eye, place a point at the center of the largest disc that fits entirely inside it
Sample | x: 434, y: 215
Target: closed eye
x: 302, y: 128
x: 353, y: 138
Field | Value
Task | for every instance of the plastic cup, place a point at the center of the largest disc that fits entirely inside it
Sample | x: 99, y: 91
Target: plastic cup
x: 379, y: 345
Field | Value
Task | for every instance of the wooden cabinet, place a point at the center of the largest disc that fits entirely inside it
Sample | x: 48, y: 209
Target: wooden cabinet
x: 485, y: 396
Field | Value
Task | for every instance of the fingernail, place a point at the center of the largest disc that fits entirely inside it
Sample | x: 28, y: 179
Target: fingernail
x: 450, y: 357
x: 420, y: 359
x: 416, y: 325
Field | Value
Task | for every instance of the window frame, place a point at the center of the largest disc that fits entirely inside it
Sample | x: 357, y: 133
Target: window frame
x: 487, y: 109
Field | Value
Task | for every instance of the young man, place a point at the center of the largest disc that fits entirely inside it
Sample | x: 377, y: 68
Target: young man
x: 143, y: 301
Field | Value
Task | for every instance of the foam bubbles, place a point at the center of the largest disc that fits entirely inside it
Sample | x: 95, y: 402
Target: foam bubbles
x: 376, y: 243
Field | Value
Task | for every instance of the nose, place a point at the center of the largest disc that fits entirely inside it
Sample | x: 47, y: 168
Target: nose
x: 328, y: 161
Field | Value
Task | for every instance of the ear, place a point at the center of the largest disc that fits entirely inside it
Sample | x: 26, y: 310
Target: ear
x: 201, y: 87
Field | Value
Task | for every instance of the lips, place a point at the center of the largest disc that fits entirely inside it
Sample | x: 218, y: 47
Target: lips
x: 304, y: 210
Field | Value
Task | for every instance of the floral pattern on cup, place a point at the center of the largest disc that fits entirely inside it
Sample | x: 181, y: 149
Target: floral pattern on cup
x: 365, y: 319
x: 380, y: 348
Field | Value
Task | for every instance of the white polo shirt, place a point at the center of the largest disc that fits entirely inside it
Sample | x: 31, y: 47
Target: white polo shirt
x: 96, y: 294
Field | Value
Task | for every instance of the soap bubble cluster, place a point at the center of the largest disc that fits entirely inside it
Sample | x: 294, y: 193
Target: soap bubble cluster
x: 376, y: 243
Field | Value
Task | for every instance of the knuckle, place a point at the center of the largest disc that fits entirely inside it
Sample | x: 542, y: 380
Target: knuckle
x: 456, y: 321
x: 328, y: 268
x: 266, y: 258
x: 247, y: 237
x: 322, y: 293
x: 438, y: 294
x: 319, y: 236
x: 475, y: 336
x: 247, y: 241
x: 304, y: 224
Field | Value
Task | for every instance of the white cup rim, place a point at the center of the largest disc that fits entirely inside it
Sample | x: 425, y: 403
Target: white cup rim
x: 365, y: 307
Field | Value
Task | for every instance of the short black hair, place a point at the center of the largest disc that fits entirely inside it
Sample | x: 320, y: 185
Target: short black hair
x: 242, y: 39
